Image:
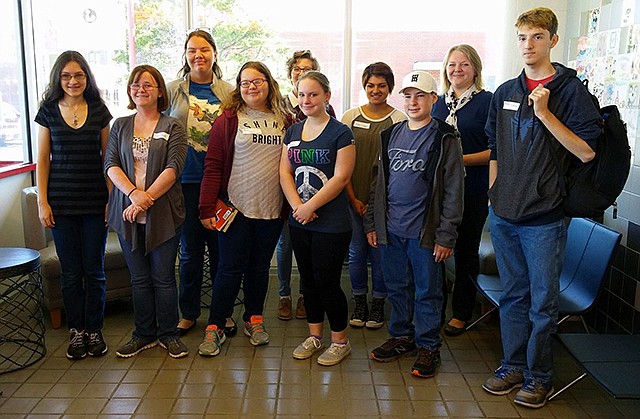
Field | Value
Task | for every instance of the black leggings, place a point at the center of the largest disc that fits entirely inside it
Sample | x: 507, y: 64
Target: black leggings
x: 320, y: 257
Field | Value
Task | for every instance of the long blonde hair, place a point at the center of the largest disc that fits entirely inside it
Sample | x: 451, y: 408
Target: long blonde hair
x: 473, y: 57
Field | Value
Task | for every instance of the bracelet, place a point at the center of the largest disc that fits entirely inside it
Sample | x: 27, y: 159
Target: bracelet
x: 132, y: 190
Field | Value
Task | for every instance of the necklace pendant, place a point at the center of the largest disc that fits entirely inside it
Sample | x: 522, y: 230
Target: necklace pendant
x: 75, y: 120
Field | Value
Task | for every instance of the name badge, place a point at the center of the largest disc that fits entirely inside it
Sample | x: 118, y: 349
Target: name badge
x: 161, y: 136
x: 510, y: 106
x: 251, y: 131
x: 360, y: 124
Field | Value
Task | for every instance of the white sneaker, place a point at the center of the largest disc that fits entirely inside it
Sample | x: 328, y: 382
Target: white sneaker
x: 335, y: 354
x: 307, y: 348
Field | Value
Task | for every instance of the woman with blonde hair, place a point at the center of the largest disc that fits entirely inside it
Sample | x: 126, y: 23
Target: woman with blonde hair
x: 465, y: 105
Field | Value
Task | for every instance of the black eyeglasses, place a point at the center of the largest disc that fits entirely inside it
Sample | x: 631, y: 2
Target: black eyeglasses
x: 255, y: 82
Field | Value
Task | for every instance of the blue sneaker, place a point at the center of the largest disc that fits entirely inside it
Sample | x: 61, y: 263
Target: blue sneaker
x: 503, y: 381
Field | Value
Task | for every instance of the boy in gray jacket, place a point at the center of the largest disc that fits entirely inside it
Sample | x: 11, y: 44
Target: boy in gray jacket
x: 414, y: 209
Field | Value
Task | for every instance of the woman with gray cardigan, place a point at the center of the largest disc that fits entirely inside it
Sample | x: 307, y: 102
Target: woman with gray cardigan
x: 145, y: 155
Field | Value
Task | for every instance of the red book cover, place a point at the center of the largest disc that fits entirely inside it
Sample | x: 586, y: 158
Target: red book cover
x: 224, y: 215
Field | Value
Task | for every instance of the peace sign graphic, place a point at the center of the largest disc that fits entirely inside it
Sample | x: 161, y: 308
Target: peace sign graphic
x: 306, y: 191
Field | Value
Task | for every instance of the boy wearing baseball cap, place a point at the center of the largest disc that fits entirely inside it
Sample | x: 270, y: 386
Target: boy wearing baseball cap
x: 414, y: 209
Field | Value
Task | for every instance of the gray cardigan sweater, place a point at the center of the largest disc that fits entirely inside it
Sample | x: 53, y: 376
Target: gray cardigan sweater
x: 168, y: 148
x: 179, y: 96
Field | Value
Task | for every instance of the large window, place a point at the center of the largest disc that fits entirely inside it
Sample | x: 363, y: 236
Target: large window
x: 345, y: 36
x: 13, y: 147
x: 272, y: 31
x: 113, y: 35
x: 408, y: 34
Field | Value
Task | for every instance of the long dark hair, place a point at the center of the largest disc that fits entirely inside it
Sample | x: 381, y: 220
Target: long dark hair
x: 54, y: 91
x: 207, y: 37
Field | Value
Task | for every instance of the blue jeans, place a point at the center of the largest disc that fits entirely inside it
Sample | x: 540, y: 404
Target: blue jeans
x: 284, y: 256
x: 414, y: 286
x: 246, y: 249
x: 153, y: 281
x: 529, y: 260
x: 359, y: 253
x: 192, y: 249
x: 80, y: 244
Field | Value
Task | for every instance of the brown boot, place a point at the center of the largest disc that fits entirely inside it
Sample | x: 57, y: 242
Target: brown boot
x: 284, y: 308
x: 301, y: 311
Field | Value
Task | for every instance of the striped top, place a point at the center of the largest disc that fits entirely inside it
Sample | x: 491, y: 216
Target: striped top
x: 77, y: 185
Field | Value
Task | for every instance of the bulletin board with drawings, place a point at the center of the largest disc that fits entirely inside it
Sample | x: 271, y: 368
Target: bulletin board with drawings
x: 607, y: 52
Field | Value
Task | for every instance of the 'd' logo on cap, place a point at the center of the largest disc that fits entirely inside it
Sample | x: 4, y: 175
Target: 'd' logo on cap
x: 414, y: 78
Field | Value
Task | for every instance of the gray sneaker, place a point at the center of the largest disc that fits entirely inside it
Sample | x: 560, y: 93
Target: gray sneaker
x: 335, y: 354
x: 503, y: 381
x: 307, y: 348
x: 213, y: 340
x: 533, y: 394
x: 255, y: 330
x: 176, y: 348
x: 134, y: 347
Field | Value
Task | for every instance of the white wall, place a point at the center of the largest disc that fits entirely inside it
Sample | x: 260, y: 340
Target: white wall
x: 11, y: 233
x: 511, y: 61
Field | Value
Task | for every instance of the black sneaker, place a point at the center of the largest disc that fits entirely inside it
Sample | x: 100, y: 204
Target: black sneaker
x: 176, y: 348
x: 134, y: 347
x: 376, y: 315
x: 360, y: 312
x: 77, y: 344
x: 394, y: 348
x: 96, y: 345
x: 426, y: 363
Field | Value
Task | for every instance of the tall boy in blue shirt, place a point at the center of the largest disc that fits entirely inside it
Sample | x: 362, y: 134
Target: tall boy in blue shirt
x: 545, y: 111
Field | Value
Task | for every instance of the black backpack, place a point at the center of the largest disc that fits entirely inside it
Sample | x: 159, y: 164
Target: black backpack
x: 590, y: 188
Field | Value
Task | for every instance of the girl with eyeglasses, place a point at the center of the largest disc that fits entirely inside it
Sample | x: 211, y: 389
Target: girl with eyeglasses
x: 145, y: 157
x: 195, y: 100
x: 73, y: 127
x: 241, y: 168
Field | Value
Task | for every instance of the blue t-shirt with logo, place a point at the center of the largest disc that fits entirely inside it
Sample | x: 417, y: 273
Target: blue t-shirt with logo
x: 409, y: 188
x: 203, y: 110
x: 313, y: 163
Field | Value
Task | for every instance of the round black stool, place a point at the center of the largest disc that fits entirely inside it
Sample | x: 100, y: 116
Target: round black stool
x: 21, y: 315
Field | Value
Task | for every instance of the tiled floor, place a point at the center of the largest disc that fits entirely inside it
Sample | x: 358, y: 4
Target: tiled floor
x: 245, y: 381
